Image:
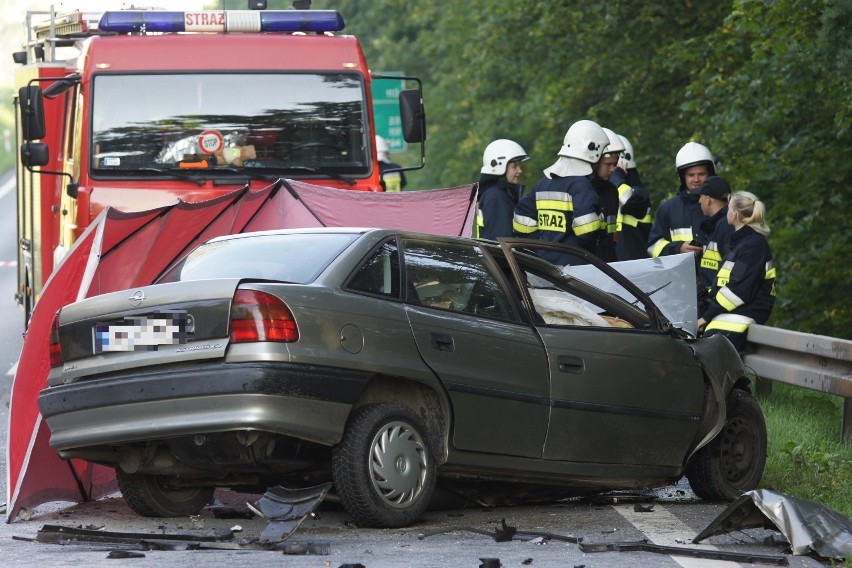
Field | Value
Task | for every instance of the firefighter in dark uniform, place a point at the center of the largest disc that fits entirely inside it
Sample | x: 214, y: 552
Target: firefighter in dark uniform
x: 601, y: 179
x: 499, y: 192
x: 563, y: 206
x: 677, y: 223
x: 713, y: 198
x: 634, y: 213
x: 744, y: 291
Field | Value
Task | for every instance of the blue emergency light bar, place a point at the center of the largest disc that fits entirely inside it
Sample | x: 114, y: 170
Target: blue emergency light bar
x: 222, y: 21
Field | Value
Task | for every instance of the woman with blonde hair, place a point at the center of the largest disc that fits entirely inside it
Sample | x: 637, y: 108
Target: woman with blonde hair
x: 744, y: 291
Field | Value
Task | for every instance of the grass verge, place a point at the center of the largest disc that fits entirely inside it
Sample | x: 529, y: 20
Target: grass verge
x: 806, y: 457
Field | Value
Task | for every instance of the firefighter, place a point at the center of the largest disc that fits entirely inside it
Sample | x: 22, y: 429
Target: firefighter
x: 634, y: 213
x: 391, y: 180
x: 713, y: 198
x: 499, y: 190
x: 608, y: 195
x: 744, y: 291
x: 563, y: 206
x: 677, y: 223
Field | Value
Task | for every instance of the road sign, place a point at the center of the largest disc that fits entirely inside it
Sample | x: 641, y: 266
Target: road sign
x: 386, y: 110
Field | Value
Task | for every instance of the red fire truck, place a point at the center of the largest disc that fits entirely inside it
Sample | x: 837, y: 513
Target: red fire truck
x: 152, y: 106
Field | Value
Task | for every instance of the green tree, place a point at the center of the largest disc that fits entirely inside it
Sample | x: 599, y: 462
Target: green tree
x: 763, y: 84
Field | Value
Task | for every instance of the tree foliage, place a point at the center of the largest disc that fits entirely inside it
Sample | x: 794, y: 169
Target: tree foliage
x: 765, y: 85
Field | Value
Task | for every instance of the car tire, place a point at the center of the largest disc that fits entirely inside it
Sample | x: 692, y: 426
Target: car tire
x: 150, y: 497
x: 732, y: 463
x: 384, y: 469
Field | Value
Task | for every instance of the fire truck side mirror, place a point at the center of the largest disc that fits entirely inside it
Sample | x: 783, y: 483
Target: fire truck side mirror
x: 31, y: 102
x: 413, y: 115
x: 34, y: 154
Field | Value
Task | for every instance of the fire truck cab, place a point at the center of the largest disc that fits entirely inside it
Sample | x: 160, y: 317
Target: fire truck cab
x: 154, y: 106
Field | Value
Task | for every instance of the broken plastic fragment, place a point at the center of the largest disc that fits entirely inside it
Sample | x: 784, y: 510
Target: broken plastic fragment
x: 286, y: 509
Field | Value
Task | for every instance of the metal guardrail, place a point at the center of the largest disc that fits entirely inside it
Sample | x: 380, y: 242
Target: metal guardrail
x: 815, y: 362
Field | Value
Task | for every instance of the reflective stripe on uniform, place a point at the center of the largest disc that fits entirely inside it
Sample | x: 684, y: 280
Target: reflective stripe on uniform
x: 770, y: 270
x: 524, y: 224
x: 724, y: 274
x: 682, y: 234
x: 711, y: 257
x: 587, y: 223
x: 730, y: 322
x: 657, y: 248
x: 728, y: 300
x: 629, y: 220
x: 554, y: 201
x: 625, y: 192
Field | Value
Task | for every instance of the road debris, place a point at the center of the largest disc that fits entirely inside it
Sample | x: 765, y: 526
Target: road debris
x: 808, y: 526
x: 285, y: 509
x: 645, y: 546
x: 506, y: 533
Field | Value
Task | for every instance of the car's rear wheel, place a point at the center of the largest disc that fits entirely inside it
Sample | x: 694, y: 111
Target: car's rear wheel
x: 733, y: 462
x: 384, y: 470
x: 152, y: 496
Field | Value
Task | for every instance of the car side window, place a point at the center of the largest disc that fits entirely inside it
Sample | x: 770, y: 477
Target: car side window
x: 454, y: 277
x: 379, y: 275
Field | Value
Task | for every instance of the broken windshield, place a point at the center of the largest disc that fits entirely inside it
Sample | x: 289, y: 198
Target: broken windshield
x: 248, y: 120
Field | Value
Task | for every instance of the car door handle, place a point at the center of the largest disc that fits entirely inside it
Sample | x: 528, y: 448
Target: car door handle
x: 570, y: 364
x: 442, y: 342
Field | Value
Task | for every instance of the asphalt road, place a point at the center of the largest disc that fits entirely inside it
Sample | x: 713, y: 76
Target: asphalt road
x: 677, y: 516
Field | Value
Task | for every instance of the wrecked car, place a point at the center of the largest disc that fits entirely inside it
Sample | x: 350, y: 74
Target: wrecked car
x: 385, y: 361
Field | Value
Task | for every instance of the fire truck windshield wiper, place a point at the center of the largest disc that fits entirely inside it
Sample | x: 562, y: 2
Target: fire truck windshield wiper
x: 172, y: 172
x: 308, y: 169
x: 199, y: 175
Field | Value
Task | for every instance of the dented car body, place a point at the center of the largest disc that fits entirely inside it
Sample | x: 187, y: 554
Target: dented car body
x: 385, y: 361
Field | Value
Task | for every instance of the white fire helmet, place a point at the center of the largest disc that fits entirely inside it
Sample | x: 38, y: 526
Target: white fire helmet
x: 382, y: 149
x: 615, y: 145
x: 628, y: 155
x: 499, y: 153
x: 694, y: 154
x: 585, y: 141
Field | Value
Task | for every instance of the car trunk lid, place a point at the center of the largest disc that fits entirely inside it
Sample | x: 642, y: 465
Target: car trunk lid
x: 167, y: 323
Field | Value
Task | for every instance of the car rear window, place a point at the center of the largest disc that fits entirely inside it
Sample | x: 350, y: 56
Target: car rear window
x: 297, y: 258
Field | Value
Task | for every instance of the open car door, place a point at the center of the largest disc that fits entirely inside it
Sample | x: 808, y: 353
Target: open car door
x: 621, y: 377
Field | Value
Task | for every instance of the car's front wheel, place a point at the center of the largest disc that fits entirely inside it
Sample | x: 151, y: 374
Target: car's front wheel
x: 152, y: 496
x: 384, y: 470
x: 732, y: 463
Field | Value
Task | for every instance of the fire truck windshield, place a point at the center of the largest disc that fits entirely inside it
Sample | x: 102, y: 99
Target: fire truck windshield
x: 249, y: 120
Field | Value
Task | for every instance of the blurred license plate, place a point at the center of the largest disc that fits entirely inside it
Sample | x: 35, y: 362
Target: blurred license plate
x: 141, y: 333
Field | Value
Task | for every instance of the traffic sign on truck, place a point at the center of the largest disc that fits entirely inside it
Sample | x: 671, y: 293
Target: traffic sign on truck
x: 134, y: 109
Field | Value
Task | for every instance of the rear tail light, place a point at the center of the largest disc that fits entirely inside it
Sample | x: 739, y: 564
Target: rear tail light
x: 258, y: 316
x: 55, y: 350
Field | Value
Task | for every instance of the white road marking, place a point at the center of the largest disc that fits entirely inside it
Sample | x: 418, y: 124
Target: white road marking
x: 11, y: 372
x: 663, y: 528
